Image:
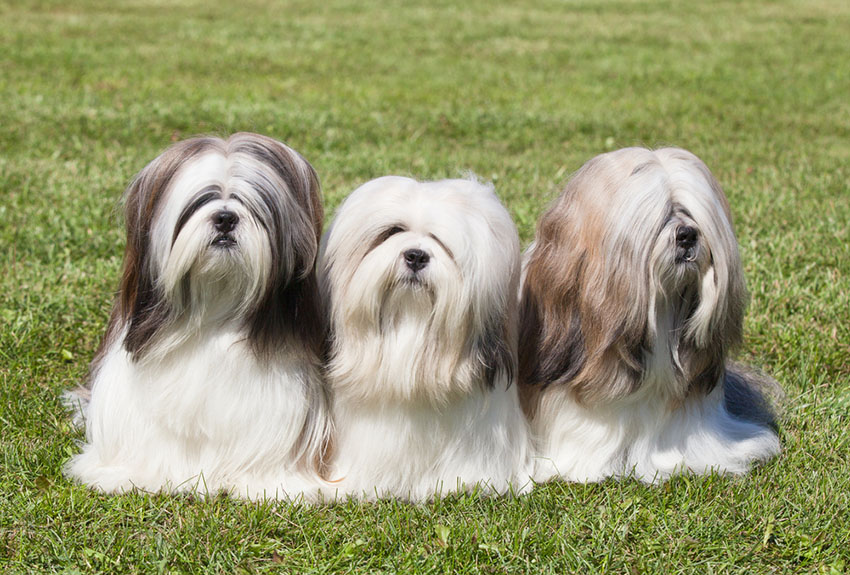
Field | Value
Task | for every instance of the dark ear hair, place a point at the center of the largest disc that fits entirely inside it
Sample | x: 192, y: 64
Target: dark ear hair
x: 548, y: 355
x: 293, y: 307
x: 139, y: 306
x: 567, y: 340
x: 581, y: 324
x: 495, y: 352
x: 292, y: 303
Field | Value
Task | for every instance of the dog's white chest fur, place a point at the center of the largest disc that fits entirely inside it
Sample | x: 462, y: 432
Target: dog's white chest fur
x: 644, y: 438
x: 207, y: 415
x: 414, y: 451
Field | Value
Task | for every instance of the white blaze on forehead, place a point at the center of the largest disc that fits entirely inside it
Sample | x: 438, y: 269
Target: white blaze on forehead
x: 208, y: 168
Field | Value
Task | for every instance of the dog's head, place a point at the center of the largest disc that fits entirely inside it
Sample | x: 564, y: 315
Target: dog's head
x: 634, y: 279
x: 222, y: 231
x: 425, y: 273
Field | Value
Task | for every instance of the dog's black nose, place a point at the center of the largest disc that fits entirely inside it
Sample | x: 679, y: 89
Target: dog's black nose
x: 224, y: 221
x: 416, y: 259
x: 686, y: 237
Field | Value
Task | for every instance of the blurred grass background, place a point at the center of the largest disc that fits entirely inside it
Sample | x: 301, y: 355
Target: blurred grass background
x: 520, y: 93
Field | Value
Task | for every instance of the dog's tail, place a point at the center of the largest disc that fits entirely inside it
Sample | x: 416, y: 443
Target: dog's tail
x: 752, y: 395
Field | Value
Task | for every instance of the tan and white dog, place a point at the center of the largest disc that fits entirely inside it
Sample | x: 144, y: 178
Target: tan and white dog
x: 633, y: 297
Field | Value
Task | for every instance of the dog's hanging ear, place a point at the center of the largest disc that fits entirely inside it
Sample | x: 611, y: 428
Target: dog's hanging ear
x: 583, y: 319
x: 289, y: 308
x: 291, y: 303
x: 593, y: 347
x: 139, y: 305
x: 494, y: 349
x: 551, y: 344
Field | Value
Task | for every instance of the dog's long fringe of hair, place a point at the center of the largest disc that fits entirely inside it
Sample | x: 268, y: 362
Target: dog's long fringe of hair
x: 422, y: 364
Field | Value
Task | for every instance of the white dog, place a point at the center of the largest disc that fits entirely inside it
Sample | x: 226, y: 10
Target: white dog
x: 633, y: 297
x: 421, y: 281
x: 208, y: 375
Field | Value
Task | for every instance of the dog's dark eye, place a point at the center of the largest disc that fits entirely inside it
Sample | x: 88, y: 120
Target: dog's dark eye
x: 382, y: 237
x: 391, y: 231
x: 687, y: 239
x: 203, y: 198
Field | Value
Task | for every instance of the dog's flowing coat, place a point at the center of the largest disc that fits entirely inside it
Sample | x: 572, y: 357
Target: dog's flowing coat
x: 632, y: 298
x: 421, y: 281
x: 208, y: 376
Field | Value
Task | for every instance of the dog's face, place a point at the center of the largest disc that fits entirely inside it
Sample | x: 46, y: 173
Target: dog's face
x: 634, y: 279
x: 424, y: 272
x: 222, y: 231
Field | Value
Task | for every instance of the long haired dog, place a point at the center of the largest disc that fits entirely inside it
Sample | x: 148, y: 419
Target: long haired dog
x: 633, y: 297
x: 421, y: 279
x: 208, y: 376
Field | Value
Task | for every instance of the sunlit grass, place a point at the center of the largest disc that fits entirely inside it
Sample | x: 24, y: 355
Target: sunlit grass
x: 520, y: 93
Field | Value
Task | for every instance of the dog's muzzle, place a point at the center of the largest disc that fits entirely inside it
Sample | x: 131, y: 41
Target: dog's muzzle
x: 224, y: 222
x: 686, y: 244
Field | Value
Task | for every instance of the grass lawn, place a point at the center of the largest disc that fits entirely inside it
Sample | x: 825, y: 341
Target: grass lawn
x: 520, y: 93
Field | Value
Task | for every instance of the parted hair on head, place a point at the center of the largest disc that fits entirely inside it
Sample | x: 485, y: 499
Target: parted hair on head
x: 634, y: 269
x: 243, y: 213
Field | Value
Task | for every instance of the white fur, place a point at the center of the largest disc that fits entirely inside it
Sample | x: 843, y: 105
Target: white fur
x: 413, y: 415
x: 206, y: 417
x: 645, y: 437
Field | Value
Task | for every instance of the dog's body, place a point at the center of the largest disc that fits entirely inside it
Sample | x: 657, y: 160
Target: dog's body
x: 416, y: 452
x: 420, y: 280
x: 208, y: 377
x: 205, y: 417
x: 645, y: 437
x: 632, y: 298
